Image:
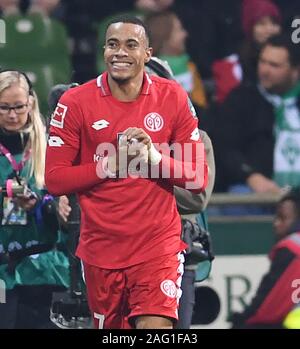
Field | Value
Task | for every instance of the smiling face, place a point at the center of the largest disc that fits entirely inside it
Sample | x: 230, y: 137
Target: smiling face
x: 17, y: 97
x: 275, y: 72
x: 264, y: 28
x: 126, y: 51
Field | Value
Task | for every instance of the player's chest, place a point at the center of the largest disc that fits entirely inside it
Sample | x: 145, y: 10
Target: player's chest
x: 104, y: 123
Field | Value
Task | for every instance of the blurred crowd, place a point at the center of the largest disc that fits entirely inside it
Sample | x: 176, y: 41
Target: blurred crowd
x: 237, y: 61
x: 214, y: 49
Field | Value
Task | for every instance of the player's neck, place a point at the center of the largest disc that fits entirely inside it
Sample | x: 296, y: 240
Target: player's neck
x: 127, y: 91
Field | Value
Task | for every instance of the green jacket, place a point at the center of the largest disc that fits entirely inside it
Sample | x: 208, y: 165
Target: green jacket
x: 47, y: 268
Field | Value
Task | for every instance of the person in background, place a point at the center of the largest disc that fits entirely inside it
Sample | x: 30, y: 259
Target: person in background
x: 257, y: 142
x: 9, y: 7
x: 215, y: 31
x: 274, y: 305
x: 168, y: 37
x: 261, y: 19
x: 30, y: 264
x: 153, y: 5
x: 189, y: 203
x: 44, y: 7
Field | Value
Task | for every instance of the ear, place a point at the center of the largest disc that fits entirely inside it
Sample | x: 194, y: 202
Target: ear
x: 296, y: 74
x: 31, y: 103
x: 148, y: 56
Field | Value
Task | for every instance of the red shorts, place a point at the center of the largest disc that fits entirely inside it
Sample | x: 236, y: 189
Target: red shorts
x: 116, y: 297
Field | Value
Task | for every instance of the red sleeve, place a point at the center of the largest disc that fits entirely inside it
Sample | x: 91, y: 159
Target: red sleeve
x: 225, y: 77
x: 187, y: 167
x: 275, y: 285
x: 61, y: 175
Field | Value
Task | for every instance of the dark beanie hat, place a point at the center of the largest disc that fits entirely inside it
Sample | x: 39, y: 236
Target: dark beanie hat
x: 254, y: 10
x: 56, y: 92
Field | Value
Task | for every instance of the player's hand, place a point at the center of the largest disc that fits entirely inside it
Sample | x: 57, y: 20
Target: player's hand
x: 129, y: 148
x: 118, y: 161
x: 261, y: 184
x: 64, y: 208
x: 139, y: 134
x: 134, y: 133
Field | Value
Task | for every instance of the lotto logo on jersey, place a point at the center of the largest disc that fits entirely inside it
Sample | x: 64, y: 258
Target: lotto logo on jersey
x: 99, y: 125
x: 58, y: 116
x: 195, y: 135
x: 153, y: 122
x: 55, y: 141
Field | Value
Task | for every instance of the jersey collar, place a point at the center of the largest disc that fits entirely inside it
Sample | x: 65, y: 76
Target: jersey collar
x: 105, y: 90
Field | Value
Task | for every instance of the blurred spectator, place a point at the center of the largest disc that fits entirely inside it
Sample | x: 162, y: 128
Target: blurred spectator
x: 9, y: 7
x: 190, y: 203
x: 31, y: 264
x: 257, y: 139
x: 167, y: 37
x: 80, y: 18
x: 273, y: 301
x: 44, y: 7
x: 260, y: 20
x: 215, y: 30
x: 39, y: 46
x: 153, y: 5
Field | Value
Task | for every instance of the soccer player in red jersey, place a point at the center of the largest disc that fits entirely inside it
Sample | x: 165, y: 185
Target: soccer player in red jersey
x: 130, y: 241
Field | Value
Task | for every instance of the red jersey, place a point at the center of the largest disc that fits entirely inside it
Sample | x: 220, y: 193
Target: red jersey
x: 124, y: 221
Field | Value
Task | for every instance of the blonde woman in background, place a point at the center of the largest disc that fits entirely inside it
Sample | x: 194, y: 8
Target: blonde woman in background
x: 31, y: 267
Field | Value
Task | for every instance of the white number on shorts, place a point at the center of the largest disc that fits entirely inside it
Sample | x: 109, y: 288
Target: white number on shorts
x: 101, y: 318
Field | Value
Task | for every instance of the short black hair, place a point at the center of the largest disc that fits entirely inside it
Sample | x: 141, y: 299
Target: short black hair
x: 285, y: 41
x: 292, y: 195
x: 129, y: 19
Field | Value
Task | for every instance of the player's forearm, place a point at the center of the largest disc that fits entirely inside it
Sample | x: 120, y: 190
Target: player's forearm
x: 61, y: 180
x: 188, y: 175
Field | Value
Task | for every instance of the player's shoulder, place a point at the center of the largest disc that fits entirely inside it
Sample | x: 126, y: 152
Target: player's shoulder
x: 169, y: 90
x: 163, y: 84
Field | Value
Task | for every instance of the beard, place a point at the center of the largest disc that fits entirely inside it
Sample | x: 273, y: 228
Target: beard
x: 120, y: 80
x: 279, y: 88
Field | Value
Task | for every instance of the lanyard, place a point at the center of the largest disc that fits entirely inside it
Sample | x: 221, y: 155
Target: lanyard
x: 16, y: 166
